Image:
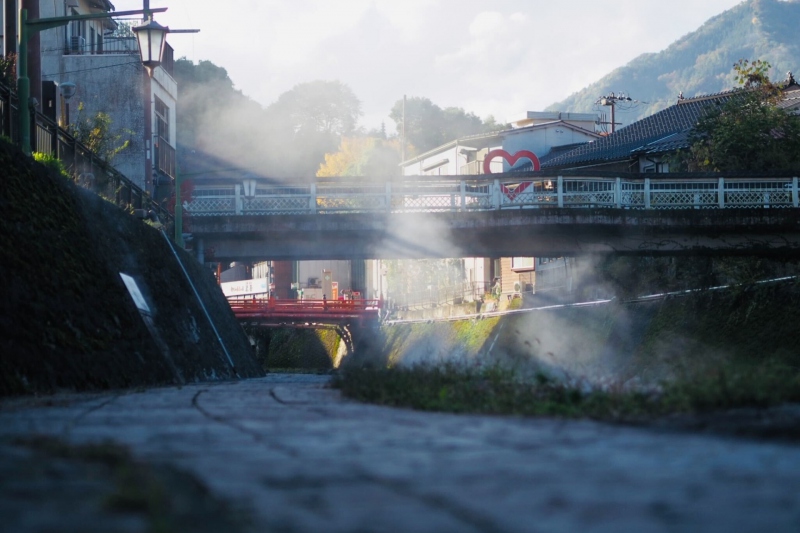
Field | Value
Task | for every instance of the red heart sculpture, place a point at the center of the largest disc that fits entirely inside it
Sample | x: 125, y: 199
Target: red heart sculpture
x: 510, y: 158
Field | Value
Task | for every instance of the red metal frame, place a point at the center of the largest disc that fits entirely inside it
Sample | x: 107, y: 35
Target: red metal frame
x: 330, y: 311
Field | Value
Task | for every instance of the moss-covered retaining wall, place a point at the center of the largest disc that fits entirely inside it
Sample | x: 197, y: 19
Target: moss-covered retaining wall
x: 67, y: 319
x: 645, y: 342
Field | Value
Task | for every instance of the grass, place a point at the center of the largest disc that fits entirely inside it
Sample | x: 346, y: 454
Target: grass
x: 705, y: 353
x: 494, y: 389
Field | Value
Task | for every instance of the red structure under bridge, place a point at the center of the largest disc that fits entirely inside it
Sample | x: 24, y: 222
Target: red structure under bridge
x: 306, y: 313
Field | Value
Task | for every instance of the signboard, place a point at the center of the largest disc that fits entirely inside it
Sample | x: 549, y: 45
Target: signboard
x: 245, y: 287
x: 334, y: 290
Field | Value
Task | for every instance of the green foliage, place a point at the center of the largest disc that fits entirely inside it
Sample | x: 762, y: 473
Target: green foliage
x: 748, y: 132
x: 289, y: 138
x: 97, y: 134
x: 699, y: 63
x: 495, y: 389
x: 326, y: 107
x: 428, y: 126
x: 8, y: 70
x: 52, y: 163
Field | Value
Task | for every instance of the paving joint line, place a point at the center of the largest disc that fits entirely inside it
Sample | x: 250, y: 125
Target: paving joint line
x: 238, y: 427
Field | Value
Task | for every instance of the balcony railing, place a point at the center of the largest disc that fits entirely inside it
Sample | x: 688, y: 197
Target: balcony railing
x: 473, y: 168
x: 117, y: 46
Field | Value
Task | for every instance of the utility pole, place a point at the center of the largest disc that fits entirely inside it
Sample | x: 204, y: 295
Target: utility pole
x: 612, y: 100
x: 403, y: 133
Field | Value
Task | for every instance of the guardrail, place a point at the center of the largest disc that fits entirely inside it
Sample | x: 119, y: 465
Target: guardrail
x: 89, y: 170
x: 501, y: 191
x: 255, y: 310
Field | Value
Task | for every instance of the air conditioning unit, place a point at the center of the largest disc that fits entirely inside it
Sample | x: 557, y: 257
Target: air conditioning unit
x: 77, y: 45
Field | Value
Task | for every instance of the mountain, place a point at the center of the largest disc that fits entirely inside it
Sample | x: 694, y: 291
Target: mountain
x: 700, y: 62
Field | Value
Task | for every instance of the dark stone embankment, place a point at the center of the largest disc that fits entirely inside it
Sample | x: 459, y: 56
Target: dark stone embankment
x: 68, y: 321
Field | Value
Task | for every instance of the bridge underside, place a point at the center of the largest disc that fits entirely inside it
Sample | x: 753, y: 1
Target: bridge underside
x: 517, y: 233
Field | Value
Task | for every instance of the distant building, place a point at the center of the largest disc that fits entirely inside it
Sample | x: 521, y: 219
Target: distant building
x: 538, y: 132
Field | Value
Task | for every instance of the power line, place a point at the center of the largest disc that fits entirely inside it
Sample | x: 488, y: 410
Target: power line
x: 137, y: 62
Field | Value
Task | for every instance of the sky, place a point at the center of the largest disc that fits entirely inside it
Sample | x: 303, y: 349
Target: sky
x: 499, y: 58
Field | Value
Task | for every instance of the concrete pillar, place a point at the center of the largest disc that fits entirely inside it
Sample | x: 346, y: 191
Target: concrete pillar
x: 560, y: 191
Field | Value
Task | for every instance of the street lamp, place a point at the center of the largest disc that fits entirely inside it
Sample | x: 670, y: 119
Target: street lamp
x: 152, y: 38
x: 26, y: 29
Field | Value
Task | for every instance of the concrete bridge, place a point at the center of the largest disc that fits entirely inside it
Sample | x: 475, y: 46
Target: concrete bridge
x: 499, y: 215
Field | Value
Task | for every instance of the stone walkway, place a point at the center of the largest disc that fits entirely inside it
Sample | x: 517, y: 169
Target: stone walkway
x: 296, y: 457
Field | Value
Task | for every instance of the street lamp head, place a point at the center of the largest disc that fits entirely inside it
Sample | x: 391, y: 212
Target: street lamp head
x: 67, y: 90
x: 152, y: 37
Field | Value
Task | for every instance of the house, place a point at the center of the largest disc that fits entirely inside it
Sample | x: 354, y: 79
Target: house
x: 538, y: 132
x: 92, y: 66
x: 646, y: 145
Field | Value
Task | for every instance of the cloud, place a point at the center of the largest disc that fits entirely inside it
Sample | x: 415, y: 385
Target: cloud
x: 513, y: 56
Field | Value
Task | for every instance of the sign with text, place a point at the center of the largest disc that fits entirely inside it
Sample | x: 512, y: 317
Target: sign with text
x: 245, y: 287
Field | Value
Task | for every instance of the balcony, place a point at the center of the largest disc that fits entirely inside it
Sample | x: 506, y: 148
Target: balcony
x: 473, y: 168
x: 116, y: 46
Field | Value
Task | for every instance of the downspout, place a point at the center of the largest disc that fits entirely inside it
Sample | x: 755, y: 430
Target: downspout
x: 202, y: 305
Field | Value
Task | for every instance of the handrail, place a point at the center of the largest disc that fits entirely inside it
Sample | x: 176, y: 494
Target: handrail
x: 53, y: 140
x: 494, y: 192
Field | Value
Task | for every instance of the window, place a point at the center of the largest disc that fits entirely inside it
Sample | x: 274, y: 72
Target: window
x: 547, y: 260
x: 522, y: 263
x: 162, y: 119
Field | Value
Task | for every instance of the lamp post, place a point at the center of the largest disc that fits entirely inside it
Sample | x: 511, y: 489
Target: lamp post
x: 179, y: 205
x: 26, y: 28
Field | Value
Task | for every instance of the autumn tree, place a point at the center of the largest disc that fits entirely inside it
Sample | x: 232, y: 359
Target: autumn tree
x: 749, y: 132
x: 362, y: 156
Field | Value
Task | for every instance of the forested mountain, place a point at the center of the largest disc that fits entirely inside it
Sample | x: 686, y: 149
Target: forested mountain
x: 701, y: 62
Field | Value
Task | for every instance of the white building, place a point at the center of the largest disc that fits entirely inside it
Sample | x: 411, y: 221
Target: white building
x: 538, y: 132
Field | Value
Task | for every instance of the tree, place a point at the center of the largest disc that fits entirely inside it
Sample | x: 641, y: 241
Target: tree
x: 749, y: 132
x: 328, y: 107
x: 97, y: 134
x: 8, y: 70
x: 362, y: 156
x: 427, y: 125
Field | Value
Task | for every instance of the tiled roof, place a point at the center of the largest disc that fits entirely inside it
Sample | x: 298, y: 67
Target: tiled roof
x: 665, y: 131
x: 655, y: 130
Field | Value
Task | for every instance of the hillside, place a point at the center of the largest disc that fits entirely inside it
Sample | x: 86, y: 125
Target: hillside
x: 700, y: 62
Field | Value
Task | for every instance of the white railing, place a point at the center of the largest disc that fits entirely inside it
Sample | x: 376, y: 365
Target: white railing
x: 456, y: 194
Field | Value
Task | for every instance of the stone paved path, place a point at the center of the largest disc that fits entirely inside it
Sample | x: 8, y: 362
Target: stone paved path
x: 302, y: 459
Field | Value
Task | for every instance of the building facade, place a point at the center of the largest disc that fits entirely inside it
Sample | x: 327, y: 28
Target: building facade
x: 93, y: 66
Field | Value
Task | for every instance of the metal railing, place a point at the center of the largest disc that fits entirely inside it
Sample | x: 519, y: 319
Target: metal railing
x: 87, y: 168
x: 429, y: 297
x: 420, y: 194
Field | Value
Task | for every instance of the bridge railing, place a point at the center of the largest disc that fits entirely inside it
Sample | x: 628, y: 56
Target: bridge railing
x: 305, y: 309
x: 505, y: 191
